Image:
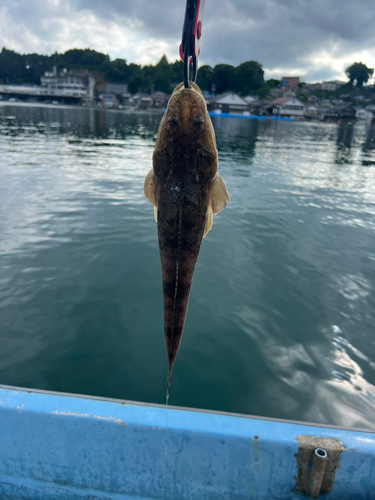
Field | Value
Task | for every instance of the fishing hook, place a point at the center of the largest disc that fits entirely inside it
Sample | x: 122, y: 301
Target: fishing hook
x: 191, y: 35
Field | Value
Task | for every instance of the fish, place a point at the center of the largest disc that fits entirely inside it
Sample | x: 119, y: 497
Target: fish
x: 186, y: 190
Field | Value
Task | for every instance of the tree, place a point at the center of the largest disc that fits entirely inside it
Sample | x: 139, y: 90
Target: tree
x: 135, y: 79
x: 248, y: 77
x: 223, y: 78
x: 28, y: 68
x: 118, y: 71
x: 273, y: 84
x: 177, y: 72
x: 161, y: 75
x: 359, y: 73
x: 204, y: 78
x: 82, y: 58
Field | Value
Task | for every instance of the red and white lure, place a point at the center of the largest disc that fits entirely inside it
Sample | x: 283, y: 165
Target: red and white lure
x: 191, y: 38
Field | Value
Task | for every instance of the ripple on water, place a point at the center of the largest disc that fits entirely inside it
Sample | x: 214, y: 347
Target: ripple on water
x: 292, y: 255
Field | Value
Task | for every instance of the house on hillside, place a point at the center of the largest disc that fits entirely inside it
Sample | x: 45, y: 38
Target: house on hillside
x: 230, y: 103
x: 290, y: 81
x: 345, y: 97
x: 332, y: 86
x: 275, y: 92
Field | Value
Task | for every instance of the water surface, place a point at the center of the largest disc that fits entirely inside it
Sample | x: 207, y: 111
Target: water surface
x: 282, y: 310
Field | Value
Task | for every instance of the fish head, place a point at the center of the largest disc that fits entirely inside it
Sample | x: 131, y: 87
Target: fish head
x: 186, y: 132
x: 186, y: 115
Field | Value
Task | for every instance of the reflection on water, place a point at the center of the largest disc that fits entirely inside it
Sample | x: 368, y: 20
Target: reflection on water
x: 281, y: 315
x: 368, y: 147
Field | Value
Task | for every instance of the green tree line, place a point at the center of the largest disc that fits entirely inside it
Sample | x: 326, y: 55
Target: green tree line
x: 28, y: 68
x: 245, y: 79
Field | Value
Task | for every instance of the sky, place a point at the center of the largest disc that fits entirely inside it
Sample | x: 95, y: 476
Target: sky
x: 314, y: 39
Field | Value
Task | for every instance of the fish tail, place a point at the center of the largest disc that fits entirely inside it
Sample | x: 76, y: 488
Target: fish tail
x: 169, y: 380
x: 178, y: 254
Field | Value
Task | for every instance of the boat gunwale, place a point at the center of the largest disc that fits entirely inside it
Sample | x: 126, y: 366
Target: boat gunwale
x: 181, y: 408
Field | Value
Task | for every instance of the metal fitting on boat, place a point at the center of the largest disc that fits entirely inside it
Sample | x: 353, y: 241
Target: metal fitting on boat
x: 317, y: 473
x: 317, y: 459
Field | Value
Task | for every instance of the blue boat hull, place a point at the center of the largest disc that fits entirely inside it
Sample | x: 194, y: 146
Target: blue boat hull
x: 58, y: 446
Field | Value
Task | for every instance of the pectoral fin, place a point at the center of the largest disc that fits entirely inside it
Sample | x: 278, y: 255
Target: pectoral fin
x: 149, y: 187
x: 218, y: 200
x: 218, y: 194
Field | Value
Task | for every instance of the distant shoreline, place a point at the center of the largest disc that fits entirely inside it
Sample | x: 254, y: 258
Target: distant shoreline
x: 161, y: 111
x: 77, y: 106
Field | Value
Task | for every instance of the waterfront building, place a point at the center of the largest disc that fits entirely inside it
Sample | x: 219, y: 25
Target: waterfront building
x: 126, y: 98
x: 66, y: 84
x: 258, y: 107
x: 142, y: 100
x: 364, y: 116
x: 286, y: 107
x: 323, y: 108
x: 311, y: 112
x: 230, y: 103
x: 339, y: 113
x: 109, y: 100
x: 160, y: 99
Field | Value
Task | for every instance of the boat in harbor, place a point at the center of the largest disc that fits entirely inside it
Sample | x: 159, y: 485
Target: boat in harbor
x: 65, y: 446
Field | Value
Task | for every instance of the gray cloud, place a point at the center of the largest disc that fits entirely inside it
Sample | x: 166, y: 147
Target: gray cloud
x: 316, y: 38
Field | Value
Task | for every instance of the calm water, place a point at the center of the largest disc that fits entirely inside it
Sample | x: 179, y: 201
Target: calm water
x: 282, y: 310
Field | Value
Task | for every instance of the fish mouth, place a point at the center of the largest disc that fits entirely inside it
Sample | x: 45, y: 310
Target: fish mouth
x: 180, y: 89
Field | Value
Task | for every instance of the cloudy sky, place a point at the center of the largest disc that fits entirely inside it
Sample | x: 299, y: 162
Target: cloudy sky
x: 315, y: 39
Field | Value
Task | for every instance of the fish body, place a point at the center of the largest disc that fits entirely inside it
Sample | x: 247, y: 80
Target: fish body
x: 186, y: 191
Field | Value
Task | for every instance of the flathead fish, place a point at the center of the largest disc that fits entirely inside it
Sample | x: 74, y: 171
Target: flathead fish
x: 186, y: 191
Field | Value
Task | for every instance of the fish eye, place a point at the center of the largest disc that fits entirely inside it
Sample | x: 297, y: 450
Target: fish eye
x: 198, y: 120
x: 173, y: 120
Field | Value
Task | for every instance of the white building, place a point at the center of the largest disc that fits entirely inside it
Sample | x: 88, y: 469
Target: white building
x: 311, y: 112
x: 332, y: 86
x: 292, y: 108
x: 229, y: 103
x: 67, y: 84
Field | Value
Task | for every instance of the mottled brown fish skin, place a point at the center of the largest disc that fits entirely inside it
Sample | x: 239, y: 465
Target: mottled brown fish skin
x: 184, y: 162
